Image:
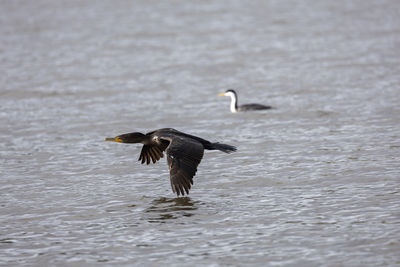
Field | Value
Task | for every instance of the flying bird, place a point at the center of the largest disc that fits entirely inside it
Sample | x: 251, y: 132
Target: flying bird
x: 184, y: 153
x: 234, y: 103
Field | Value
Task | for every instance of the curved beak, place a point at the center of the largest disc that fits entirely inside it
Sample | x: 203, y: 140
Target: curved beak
x: 114, y: 139
x: 221, y: 94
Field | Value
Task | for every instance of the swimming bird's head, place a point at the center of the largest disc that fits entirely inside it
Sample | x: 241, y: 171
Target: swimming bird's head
x: 127, y: 138
x: 229, y: 92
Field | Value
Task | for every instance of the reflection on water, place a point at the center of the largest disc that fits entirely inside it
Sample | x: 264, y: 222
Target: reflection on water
x: 171, y: 208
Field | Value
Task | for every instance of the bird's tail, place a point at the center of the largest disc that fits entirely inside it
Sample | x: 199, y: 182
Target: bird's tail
x: 222, y: 147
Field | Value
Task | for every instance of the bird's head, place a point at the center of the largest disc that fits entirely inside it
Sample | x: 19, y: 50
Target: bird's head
x: 229, y: 92
x: 127, y: 138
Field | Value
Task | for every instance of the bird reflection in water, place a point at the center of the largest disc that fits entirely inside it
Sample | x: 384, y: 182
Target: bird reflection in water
x: 171, y: 208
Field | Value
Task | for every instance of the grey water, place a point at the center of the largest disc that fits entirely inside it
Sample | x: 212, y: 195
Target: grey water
x: 315, y: 181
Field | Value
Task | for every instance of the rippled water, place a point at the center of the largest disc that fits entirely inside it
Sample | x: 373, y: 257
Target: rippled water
x: 314, y: 182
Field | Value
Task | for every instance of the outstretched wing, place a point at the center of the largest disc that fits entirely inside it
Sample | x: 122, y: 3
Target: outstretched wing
x: 152, y: 152
x: 183, y: 157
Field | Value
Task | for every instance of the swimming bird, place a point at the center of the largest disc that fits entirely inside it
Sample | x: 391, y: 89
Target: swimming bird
x: 234, y: 103
x: 184, y: 153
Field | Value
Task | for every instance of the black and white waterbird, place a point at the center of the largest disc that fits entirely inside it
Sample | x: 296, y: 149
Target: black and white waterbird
x: 234, y: 103
x: 184, y: 153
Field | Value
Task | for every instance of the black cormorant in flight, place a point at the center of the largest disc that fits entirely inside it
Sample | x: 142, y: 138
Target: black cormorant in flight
x: 184, y: 153
x: 234, y: 103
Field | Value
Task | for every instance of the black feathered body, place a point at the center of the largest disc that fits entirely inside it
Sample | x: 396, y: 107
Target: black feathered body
x: 184, y: 153
x: 247, y: 107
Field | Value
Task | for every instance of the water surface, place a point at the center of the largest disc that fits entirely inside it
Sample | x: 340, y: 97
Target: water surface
x: 314, y: 182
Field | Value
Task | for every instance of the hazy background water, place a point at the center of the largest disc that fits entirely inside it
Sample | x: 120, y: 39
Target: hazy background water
x: 314, y: 182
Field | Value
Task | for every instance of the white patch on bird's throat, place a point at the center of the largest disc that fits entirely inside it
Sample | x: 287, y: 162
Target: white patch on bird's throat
x: 233, y: 101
